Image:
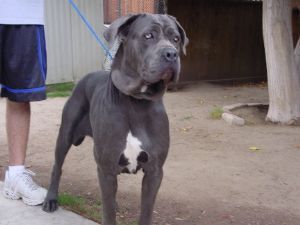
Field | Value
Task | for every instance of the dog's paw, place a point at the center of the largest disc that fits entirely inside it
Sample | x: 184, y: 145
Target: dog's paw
x: 50, y: 205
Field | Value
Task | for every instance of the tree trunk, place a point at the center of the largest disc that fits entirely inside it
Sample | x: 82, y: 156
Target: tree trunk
x: 283, y: 74
x: 297, y: 56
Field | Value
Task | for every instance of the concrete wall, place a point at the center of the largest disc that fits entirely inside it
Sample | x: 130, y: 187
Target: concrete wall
x: 71, y: 49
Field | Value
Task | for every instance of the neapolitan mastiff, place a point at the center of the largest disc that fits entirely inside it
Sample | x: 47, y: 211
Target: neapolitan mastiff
x: 123, y: 112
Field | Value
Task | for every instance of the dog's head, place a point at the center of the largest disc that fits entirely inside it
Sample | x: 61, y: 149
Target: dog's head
x: 148, y: 57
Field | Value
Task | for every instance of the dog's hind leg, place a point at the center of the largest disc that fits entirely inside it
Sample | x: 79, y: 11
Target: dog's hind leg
x: 82, y: 129
x: 62, y: 147
x: 72, y: 115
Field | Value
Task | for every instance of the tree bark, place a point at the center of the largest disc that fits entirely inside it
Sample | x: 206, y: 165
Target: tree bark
x: 283, y: 74
x: 297, y: 56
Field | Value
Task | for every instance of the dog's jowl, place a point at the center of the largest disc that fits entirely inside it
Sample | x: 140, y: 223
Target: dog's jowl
x: 123, y: 112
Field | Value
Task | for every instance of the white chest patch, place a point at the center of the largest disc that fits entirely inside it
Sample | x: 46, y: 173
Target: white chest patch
x: 132, y: 151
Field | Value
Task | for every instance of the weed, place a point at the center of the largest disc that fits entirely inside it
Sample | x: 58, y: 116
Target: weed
x: 216, y: 113
x: 133, y: 223
x: 188, y: 117
x: 129, y: 223
x: 60, y: 90
x: 81, y: 206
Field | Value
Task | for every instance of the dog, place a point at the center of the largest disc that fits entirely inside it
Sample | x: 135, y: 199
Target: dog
x: 122, y: 110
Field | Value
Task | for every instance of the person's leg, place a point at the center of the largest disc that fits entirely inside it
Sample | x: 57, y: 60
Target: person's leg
x: 22, y: 78
x: 18, y: 182
x: 17, y: 127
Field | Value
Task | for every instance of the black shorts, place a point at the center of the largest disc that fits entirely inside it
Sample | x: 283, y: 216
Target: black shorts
x: 23, y: 62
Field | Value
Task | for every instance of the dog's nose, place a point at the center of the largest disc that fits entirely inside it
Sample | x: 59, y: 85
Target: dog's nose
x: 170, y: 54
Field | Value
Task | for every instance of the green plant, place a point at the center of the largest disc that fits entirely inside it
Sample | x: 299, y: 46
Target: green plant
x: 90, y: 209
x: 134, y: 223
x: 81, y: 206
x: 129, y: 223
x: 71, y: 201
x: 188, y: 117
x: 216, y: 113
x: 59, y: 90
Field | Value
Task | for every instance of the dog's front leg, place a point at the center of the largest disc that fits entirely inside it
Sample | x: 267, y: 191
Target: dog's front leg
x: 109, y: 185
x: 150, y: 186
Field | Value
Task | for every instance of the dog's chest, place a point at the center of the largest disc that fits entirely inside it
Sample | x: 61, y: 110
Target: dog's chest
x: 132, y: 151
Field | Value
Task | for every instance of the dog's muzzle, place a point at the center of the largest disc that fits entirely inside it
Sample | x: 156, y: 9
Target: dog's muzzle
x: 169, y: 54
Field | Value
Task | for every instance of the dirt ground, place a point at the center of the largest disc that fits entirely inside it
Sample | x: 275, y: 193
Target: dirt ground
x: 211, y: 176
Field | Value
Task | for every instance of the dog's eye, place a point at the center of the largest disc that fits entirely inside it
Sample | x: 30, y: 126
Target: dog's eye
x: 176, y: 39
x: 148, y: 36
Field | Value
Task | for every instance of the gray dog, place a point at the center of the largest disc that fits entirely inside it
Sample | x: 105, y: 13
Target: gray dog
x: 123, y: 111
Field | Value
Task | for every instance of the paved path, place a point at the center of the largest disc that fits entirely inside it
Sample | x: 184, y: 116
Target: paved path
x: 15, y: 212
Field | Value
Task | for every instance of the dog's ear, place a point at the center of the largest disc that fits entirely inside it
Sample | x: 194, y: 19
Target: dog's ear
x: 124, y: 28
x: 184, y: 39
x: 119, y: 28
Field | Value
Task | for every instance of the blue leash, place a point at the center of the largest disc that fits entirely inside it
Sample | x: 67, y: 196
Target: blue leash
x: 89, y: 26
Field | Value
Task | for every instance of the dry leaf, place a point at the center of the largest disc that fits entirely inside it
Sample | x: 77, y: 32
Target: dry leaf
x: 186, y: 129
x: 180, y: 219
x: 254, y: 148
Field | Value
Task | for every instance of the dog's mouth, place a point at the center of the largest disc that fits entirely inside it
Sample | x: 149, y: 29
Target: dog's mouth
x: 168, y: 76
x: 150, y: 89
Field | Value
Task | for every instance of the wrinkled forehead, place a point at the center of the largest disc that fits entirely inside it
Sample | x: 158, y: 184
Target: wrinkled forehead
x: 148, y: 21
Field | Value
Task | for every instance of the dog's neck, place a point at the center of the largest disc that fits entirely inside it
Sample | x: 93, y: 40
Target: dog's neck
x: 120, y: 63
x: 115, y: 96
x: 124, y: 74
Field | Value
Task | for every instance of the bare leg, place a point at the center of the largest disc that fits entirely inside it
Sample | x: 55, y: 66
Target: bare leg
x: 17, y: 127
x: 18, y: 182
